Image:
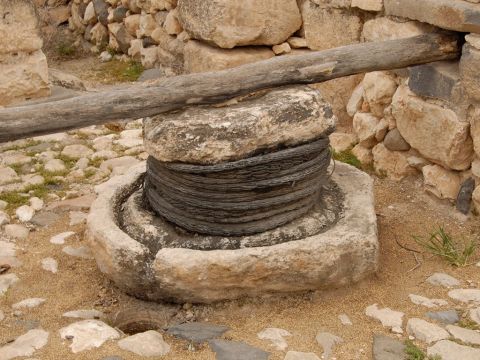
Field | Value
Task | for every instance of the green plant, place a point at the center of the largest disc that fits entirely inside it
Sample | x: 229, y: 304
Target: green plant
x: 441, y: 244
x: 347, y: 157
x: 415, y: 353
x: 468, y: 324
x: 66, y: 50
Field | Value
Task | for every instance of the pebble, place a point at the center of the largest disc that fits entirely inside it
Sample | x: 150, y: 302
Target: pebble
x: 28, y: 303
x: 467, y: 336
x: 149, y: 343
x: 388, y: 317
x: 425, y: 331
x: 465, y: 295
x: 25, y: 213
x: 197, y: 332
x: 88, y: 334
x: 449, y: 350
x: 430, y: 303
x: 84, y: 314
x: 77, y: 151
x: 59, y: 239
x: 442, y: 279
x: 345, y: 320
x: 4, y: 218
x: 475, y: 315
x: 80, y: 252
x: 77, y: 217
x: 16, y: 231
x: 296, y: 355
x: 55, y: 166
x: 36, y: 203
x: 45, y: 218
x: 445, y: 317
x: 327, y: 341
x: 25, y: 345
x: 7, y: 175
x: 234, y: 350
x: 275, y: 336
x: 7, y: 280
x: 50, y: 264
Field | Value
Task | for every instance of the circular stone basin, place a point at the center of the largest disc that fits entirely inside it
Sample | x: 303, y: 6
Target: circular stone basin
x: 334, y: 245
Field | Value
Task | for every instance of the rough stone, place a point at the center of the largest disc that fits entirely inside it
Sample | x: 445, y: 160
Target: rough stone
x: 149, y: 343
x: 171, y: 24
x: 4, y: 218
x: 341, y: 142
x: 392, y: 164
x: 36, y: 203
x: 381, y: 130
x: 7, y: 280
x: 436, y: 132
x: 297, y: 42
x: 123, y: 38
x: 101, y: 10
x: 297, y: 355
x: 424, y: 301
x: 8, y: 175
x: 50, y: 264
x: 25, y: 345
x: 132, y: 24
x: 28, y: 303
x: 327, y: 341
x: 88, y: 334
x: 440, y: 182
x: 233, y: 350
x: 384, y: 28
x: 329, y: 28
x: 59, y: 239
x: 275, y: 336
x: 465, y: 295
x: 467, y: 336
x: 16, y: 231
x: 449, y: 350
x: 369, y: 5
x: 77, y: 151
x: 7, y: 254
x: 84, y: 314
x: 363, y: 154
x: 425, y: 331
x: 345, y: 320
x: 364, y: 126
x: 469, y: 75
x: 80, y: 252
x: 386, y: 348
x: 442, y: 279
x: 283, y: 48
x: 445, y: 317
x: 475, y: 315
x: 476, y: 198
x: 454, y: 15
x: 228, y: 23
x: 388, y: 317
x: 394, y: 141
x: 356, y: 100
x: 90, y: 17
x: 206, y: 135
x: 201, y: 57
x: 379, y: 88
x: 197, y: 332
x: 464, y: 197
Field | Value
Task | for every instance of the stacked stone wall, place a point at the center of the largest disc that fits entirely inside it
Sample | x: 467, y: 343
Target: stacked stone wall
x: 423, y: 119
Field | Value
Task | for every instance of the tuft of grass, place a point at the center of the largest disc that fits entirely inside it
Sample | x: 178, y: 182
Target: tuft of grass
x: 69, y: 162
x: 14, y: 199
x: 415, y: 353
x: 65, y: 49
x: 347, y: 157
x: 119, y: 71
x: 468, y: 324
x: 442, y: 244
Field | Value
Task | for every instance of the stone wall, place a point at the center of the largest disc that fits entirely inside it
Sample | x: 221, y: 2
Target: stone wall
x: 23, y: 66
x: 423, y: 119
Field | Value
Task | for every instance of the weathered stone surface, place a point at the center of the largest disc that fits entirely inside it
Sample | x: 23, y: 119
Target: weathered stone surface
x: 389, y: 318
x: 228, y: 23
x: 425, y: 331
x: 449, y: 350
x: 7, y: 280
x: 363, y: 154
x: 465, y: 295
x: 436, y: 132
x: 101, y: 10
x: 439, y: 80
x: 297, y: 355
x: 28, y: 303
x: 342, y: 141
x: 326, y: 28
x: 16, y: 231
x: 23, y: 76
x: 455, y: 15
x: 25, y: 345
x: 466, y: 336
x: 474, y: 119
x: 441, y: 279
x: 201, y: 57
x: 369, y: 5
x: 283, y: 48
x: 356, y: 100
x: 84, y: 314
x: 445, y: 317
x: 132, y: 24
x: 88, y: 334
x: 306, y: 264
x: 379, y: 88
x: 476, y: 198
x: 197, y: 332
x: 364, y: 126
x: 440, y: 182
x: 469, y: 64
x: 464, y: 197
x: 149, y: 343
x: 387, y: 348
x: 394, y: 141
x: 233, y: 350
x: 424, y: 301
x: 8, y: 175
x: 50, y: 264
x: 76, y: 151
x: 327, y: 341
x: 384, y: 28
x: 393, y: 164
x: 206, y: 135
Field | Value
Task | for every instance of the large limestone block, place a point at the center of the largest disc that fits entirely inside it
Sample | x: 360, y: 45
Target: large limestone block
x: 208, y: 135
x: 441, y: 182
x: 385, y: 28
x: 470, y: 71
x: 326, y: 28
x: 365, y: 127
x: 201, y: 57
x: 455, y: 15
x: 23, y: 76
x: 230, y: 23
x: 474, y: 118
x: 369, y: 5
x: 18, y: 27
x: 393, y: 164
x: 378, y: 90
x: 435, y: 131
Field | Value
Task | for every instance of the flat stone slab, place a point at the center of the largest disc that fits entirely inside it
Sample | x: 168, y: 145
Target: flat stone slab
x: 234, y: 350
x: 197, y: 332
x: 386, y: 348
x: 249, y: 125
x: 186, y: 275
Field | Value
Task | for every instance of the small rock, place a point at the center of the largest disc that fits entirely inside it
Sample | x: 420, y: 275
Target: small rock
x: 55, y: 165
x: 388, y: 317
x: 59, y: 239
x: 84, y: 314
x: 25, y: 213
x: 465, y: 295
x: 441, y: 279
x: 3, y: 205
x: 77, y: 151
x: 7, y: 255
x: 364, y: 155
x: 356, y: 100
x: 467, y: 336
x: 430, y: 303
x: 345, y: 320
x: 2, y: 316
x: 386, y: 348
x: 4, y: 218
x: 77, y: 217
x: 341, y: 142
x: 36, y: 203
x: 149, y: 343
x: 88, y: 334
x: 475, y: 315
x: 394, y: 141
x: 449, y: 350
x: 425, y: 331
x: 283, y: 48
x: 6, y: 281
x: 25, y: 345
x: 28, y: 303
x: 105, y: 56
x: 297, y: 42
x: 440, y: 182
x: 275, y: 335
x: 16, y: 231
x: 8, y: 175
x: 233, y: 350
x: 50, y: 264
x: 327, y: 341
x: 81, y: 252
x: 297, y: 355
x: 45, y: 218
x: 464, y: 197
x: 197, y: 332
x: 445, y: 317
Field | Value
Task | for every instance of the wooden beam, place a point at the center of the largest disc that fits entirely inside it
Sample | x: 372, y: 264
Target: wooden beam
x: 168, y: 94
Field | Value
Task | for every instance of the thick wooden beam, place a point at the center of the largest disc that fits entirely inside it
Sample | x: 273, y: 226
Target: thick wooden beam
x: 168, y: 94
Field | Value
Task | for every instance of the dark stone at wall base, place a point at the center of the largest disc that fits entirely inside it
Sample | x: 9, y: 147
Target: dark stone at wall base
x: 197, y: 332
x: 394, y: 141
x: 464, y: 198
x: 233, y: 350
x: 101, y: 9
x: 119, y: 14
x: 386, y: 348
